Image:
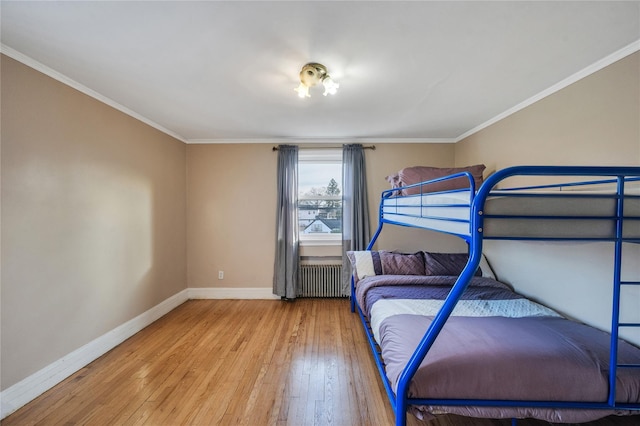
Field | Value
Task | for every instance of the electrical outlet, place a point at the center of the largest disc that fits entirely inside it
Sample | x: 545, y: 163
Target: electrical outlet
x: 220, y: 275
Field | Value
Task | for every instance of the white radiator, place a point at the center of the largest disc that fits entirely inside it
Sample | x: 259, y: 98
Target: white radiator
x: 320, y: 281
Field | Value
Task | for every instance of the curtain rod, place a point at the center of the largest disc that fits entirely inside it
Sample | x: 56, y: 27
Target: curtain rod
x: 372, y: 147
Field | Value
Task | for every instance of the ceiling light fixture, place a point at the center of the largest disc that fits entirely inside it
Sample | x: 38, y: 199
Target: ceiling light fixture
x: 310, y: 75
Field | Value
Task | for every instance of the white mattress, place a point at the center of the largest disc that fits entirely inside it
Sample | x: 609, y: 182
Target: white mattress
x: 575, y: 216
x: 511, y: 308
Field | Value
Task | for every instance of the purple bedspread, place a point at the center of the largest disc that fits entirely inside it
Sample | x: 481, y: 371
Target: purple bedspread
x: 530, y: 358
x: 371, y: 289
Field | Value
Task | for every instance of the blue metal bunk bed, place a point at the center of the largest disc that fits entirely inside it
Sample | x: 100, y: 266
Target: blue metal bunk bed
x: 618, y: 222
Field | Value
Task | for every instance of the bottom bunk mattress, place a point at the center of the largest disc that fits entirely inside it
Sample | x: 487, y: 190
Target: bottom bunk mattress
x: 497, y: 345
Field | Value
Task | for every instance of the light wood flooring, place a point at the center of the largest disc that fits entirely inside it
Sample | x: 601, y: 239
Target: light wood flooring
x: 236, y: 362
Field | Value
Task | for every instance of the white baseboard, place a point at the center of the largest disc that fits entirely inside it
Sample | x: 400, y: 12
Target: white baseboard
x: 231, y: 293
x: 31, y: 387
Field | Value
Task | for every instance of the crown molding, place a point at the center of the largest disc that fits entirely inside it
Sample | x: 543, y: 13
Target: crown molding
x: 585, y: 72
x: 320, y: 140
x: 591, y: 69
x: 38, y: 66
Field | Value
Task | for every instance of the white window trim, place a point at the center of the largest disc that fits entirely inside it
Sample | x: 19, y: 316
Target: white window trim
x: 321, y: 155
x: 321, y: 197
x: 328, y: 156
x: 320, y: 240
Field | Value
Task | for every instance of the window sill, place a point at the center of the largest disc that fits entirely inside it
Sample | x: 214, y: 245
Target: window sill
x: 319, y: 242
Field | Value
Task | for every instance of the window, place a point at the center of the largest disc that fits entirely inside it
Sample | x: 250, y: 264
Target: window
x: 320, y: 196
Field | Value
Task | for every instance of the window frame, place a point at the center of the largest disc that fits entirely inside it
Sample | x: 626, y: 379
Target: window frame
x: 320, y: 156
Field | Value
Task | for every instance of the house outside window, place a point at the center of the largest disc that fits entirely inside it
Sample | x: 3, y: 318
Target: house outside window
x: 320, y: 196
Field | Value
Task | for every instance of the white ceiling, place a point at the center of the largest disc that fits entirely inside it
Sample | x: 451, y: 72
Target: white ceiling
x: 224, y: 71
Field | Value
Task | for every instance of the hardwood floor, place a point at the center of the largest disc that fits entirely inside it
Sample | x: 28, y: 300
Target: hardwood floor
x: 236, y: 362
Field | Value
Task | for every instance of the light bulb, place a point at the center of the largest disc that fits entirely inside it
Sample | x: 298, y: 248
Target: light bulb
x: 330, y: 86
x: 303, y: 91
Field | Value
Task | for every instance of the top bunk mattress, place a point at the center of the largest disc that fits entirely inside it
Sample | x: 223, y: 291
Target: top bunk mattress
x: 574, y: 214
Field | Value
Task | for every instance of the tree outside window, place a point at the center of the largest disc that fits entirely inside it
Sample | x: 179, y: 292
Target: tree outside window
x: 320, y: 195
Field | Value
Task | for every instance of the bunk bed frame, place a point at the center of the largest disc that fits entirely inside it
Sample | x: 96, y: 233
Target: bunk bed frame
x: 472, y: 230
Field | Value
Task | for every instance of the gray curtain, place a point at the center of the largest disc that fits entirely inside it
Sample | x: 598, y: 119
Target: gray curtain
x: 287, y: 263
x: 355, y: 208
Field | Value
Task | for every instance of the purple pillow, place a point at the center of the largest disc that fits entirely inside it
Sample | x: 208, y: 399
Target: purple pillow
x: 412, y: 175
x: 368, y: 263
x: 446, y: 263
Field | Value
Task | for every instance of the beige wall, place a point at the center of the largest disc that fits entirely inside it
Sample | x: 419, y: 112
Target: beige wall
x: 93, y: 220
x: 595, y: 121
x: 232, y: 229
x: 231, y: 214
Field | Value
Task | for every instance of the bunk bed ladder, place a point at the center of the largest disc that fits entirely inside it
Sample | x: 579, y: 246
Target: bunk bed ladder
x: 617, y: 288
